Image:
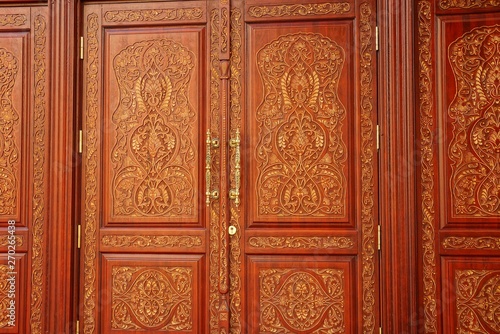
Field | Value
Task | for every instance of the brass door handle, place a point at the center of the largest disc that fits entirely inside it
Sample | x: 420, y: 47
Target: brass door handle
x: 234, y: 193
x: 211, y: 142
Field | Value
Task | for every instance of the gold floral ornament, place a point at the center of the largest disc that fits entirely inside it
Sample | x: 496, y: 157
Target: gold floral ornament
x: 9, y: 120
x: 474, y: 150
x: 301, y: 152
x: 154, y: 155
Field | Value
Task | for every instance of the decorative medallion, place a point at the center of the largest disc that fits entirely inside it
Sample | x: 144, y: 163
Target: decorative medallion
x: 9, y: 131
x: 301, y: 154
x: 13, y: 19
x: 151, y: 241
x: 471, y: 243
x: 154, y: 156
x: 474, y: 150
x: 300, y: 301
x: 478, y: 301
x: 302, y: 242
x: 300, y: 9
x: 152, y: 298
x: 154, y: 15
x: 467, y: 4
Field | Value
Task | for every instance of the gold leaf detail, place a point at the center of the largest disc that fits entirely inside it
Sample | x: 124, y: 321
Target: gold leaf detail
x: 300, y: 10
x: 13, y: 19
x: 471, y: 243
x: 467, y: 4
x: 150, y: 241
x: 153, y: 15
x: 302, y: 242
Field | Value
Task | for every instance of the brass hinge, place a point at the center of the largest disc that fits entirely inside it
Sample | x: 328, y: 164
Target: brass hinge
x: 80, y: 141
x: 79, y: 236
x: 378, y: 137
x: 376, y: 39
x: 77, y: 330
x: 380, y: 330
x: 81, y: 47
x: 379, y: 238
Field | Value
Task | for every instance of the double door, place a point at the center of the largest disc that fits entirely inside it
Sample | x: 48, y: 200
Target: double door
x: 229, y: 168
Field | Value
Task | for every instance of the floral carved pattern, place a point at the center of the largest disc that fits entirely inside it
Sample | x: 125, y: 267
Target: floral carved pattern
x: 150, y: 241
x: 4, y: 296
x: 9, y: 130
x: 152, y: 298
x: 466, y: 4
x: 13, y: 19
x: 474, y: 150
x: 478, y: 301
x: 154, y: 155
x: 300, y: 10
x: 4, y: 240
x: 294, y: 301
x: 302, y: 242
x: 471, y: 243
x: 151, y: 15
x: 300, y: 151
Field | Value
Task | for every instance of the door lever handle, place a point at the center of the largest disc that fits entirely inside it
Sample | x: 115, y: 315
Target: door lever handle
x: 234, y: 193
x: 210, y: 142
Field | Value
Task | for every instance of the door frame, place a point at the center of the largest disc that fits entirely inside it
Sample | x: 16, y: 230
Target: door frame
x: 398, y: 266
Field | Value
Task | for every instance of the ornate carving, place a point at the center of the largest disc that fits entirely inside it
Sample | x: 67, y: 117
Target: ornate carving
x: 90, y: 172
x: 478, y: 301
x: 39, y: 182
x: 4, y: 240
x: 427, y: 176
x: 13, y: 19
x: 154, y: 15
x: 300, y: 153
x: 302, y: 242
x: 300, y: 10
x: 294, y: 301
x: 9, y: 131
x: 466, y: 4
x: 152, y: 298
x: 474, y: 150
x: 151, y: 241
x: 471, y: 243
x: 4, y: 294
x: 154, y: 156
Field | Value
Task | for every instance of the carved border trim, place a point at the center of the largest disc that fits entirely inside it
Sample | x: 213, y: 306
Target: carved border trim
x: 151, y: 241
x: 300, y: 10
x: 154, y: 15
x: 467, y: 4
x: 91, y: 206
x: 302, y: 242
x: 427, y: 165
x: 471, y: 243
x: 38, y: 280
x: 367, y: 173
x: 13, y: 19
x: 4, y: 240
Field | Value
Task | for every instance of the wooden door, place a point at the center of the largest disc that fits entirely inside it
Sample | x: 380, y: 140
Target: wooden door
x: 229, y: 168
x: 458, y: 116
x: 303, y: 257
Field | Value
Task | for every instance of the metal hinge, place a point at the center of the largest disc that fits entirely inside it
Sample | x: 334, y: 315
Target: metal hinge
x: 380, y: 330
x: 376, y: 39
x: 378, y: 137
x: 80, y: 141
x: 79, y: 236
x: 77, y: 330
x: 81, y: 47
x: 379, y: 238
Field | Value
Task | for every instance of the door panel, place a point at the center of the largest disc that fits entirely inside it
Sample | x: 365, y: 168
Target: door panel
x: 303, y: 100
x: 23, y: 167
x: 458, y: 193
x: 145, y: 231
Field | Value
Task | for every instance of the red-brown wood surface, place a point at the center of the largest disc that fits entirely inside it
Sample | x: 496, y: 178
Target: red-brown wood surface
x: 458, y: 199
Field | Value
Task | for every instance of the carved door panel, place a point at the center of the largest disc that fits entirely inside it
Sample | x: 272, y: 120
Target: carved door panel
x: 144, y: 219
x: 23, y: 168
x: 458, y: 117
x: 303, y: 256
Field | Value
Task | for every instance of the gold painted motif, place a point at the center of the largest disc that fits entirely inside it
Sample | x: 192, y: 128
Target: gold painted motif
x: 311, y: 301
x: 300, y: 9
x: 9, y: 131
x: 301, y: 154
x: 151, y: 241
x: 13, y: 19
x: 4, y: 296
x: 4, y: 240
x: 153, y: 15
x: 152, y: 298
x: 302, y: 242
x: 154, y: 155
x: 466, y: 4
x: 474, y: 150
x: 471, y: 243
x: 427, y: 175
x: 478, y: 301
x: 39, y: 180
